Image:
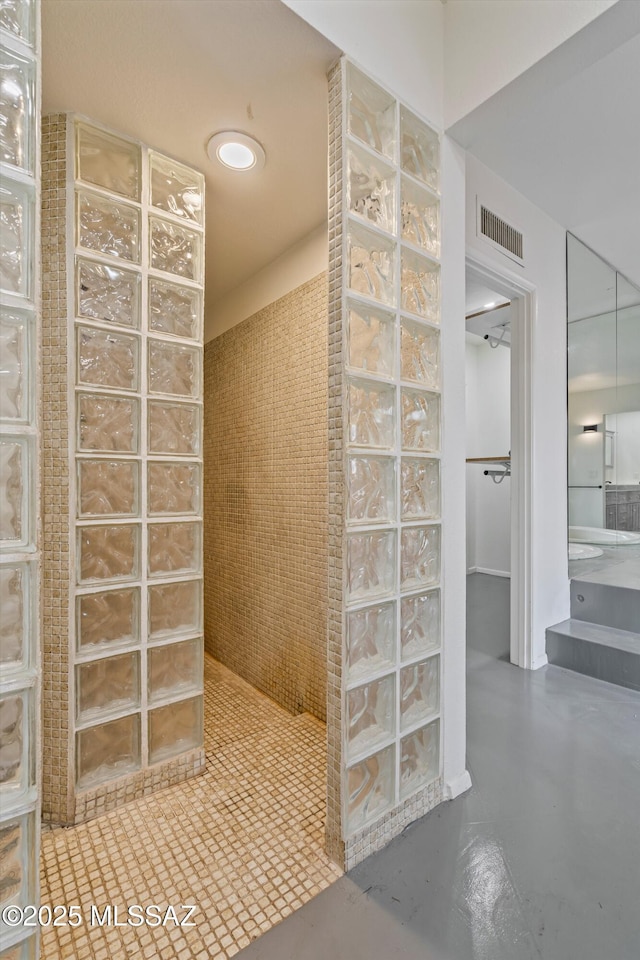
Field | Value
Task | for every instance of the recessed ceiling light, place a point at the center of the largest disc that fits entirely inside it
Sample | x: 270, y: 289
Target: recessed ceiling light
x: 236, y: 151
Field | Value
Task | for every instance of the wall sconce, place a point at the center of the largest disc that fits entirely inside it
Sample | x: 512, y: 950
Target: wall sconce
x: 591, y: 428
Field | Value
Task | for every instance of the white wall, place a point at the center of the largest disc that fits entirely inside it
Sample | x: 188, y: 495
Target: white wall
x: 488, y: 43
x: 398, y: 42
x: 586, y: 455
x: 295, y: 266
x: 544, y: 248
x: 626, y: 468
x: 488, y: 435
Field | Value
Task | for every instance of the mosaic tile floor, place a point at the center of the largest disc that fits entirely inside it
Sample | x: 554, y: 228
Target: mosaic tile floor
x: 243, y: 841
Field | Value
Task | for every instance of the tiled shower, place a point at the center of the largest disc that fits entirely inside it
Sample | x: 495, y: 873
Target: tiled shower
x: 122, y: 486
x: 123, y: 242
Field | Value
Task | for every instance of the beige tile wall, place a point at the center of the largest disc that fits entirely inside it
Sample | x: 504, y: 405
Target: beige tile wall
x: 57, y: 784
x: 265, y: 498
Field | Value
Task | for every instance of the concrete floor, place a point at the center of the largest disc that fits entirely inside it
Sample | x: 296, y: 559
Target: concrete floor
x: 614, y: 562
x: 541, y: 859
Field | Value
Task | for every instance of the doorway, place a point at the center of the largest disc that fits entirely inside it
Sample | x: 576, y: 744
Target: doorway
x: 488, y: 442
x: 502, y: 288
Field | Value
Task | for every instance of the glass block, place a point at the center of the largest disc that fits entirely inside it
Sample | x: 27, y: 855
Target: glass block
x: 419, y: 624
x: 371, y: 490
x: 420, y: 354
x: 108, y: 294
x: 176, y: 189
x: 107, y: 359
x: 15, y: 482
x: 108, y: 488
x: 174, y: 428
x: 108, y: 227
x: 107, y: 619
x: 371, y: 113
x: 371, y: 189
x: 109, y: 424
x: 371, y: 717
x: 371, y: 260
x: 419, y: 557
x: 17, y: 18
x: 24, y: 950
x: 419, y: 758
x: 419, y: 691
x: 420, y: 485
x: 419, y: 149
x: 174, y: 548
x: 371, y: 339
x: 107, y: 751
x: 370, y: 789
x: 371, y: 564
x: 173, y: 488
x: 15, y: 389
x: 420, y: 282
x: 420, y: 217
x: 175, y: 249
x: 15, y: 604
x: 175, y: 609
x: 175, y: 729
x: 420, y: 421
x: 17, y: 862
x: 371, y: 640
x: 17, y: 240
x: 107, y: 686
x: 371, y: 411
x: 174, y: 309
x: 16, y: 761
x: 108, y: 162
x: 108, y: 553
x: 174, y: 368
x: 17, y: 119
x: 175, y: 669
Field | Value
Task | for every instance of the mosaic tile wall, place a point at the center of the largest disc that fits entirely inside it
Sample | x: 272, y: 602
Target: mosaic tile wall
x: 384, y: 711
x: 19, y: 468
x: 265, y: 493
x: 122, y: 363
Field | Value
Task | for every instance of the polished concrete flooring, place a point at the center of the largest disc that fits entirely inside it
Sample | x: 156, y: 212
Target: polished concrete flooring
x: 539, y: 861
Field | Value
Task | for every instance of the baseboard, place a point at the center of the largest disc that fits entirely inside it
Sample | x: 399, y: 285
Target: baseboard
x: 460, y: 784
x: 540, y: 661
x: 492, y: 573
x: 471, y: 570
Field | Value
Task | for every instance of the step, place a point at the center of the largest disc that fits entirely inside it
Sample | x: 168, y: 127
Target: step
x: 610, y: 604
x: 596, y: 650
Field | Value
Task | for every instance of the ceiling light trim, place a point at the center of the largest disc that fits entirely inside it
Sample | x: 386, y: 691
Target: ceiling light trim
x: 226, y: 138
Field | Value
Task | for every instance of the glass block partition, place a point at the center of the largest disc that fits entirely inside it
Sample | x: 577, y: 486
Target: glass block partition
x: 19, y: 515
x: 384, y: 724
x: 133, y: 320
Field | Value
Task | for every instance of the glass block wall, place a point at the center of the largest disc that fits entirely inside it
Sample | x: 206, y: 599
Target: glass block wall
x: 385, y: 422
x: 19, y: 516
x: 128, y: 334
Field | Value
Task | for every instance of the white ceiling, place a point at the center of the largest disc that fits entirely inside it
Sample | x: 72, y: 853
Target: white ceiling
x: 566, y: 134
x: 172, y: 74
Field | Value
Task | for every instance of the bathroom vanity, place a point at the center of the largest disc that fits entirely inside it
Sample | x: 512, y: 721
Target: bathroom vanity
x: 622, y: 506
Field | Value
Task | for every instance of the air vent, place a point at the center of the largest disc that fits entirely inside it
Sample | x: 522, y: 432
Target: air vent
x: 500, y: 233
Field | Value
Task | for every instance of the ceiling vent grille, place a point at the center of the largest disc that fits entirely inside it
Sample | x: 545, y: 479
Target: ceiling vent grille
x: 500, y: 233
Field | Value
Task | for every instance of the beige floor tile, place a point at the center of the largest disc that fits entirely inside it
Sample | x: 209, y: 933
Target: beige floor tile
x: 244, y: 841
